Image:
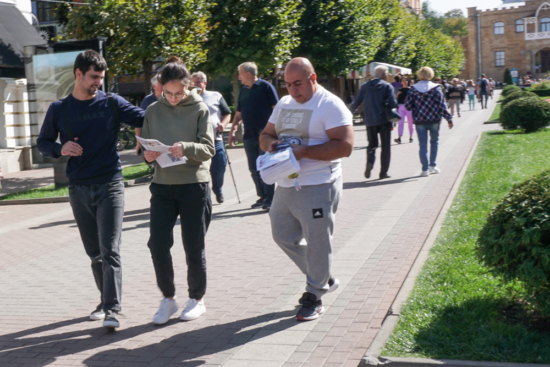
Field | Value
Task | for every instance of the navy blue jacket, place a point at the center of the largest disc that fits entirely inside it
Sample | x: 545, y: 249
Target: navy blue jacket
x: 93, y: 124
x: 374, y: 94
x: 148, y: 100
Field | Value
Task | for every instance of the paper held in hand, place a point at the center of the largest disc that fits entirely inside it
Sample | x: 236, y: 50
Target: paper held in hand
x: 166, y: 159
x: 278, y: 165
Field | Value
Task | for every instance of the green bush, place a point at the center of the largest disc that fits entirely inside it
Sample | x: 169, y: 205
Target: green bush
x: 530, y: 114
x: 517, y: 95
x: 540, y: 92
x: 513, y: 244
x: 508, y: 77
x: 543, y: 85
x: 509, y: 89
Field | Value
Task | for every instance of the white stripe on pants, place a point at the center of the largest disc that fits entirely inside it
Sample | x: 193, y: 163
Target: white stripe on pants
x: 295, y: 216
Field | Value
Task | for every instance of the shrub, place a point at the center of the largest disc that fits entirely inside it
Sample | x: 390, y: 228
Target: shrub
x: 530, y: 114
x: 540, y: 92
x: 517, y: 95
x: 513, y: 244
x: 509, y: 89
x: 508, y: 77
x: 543, y: 85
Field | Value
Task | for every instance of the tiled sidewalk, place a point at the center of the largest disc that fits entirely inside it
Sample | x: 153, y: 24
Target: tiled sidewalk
x: 47, y: 289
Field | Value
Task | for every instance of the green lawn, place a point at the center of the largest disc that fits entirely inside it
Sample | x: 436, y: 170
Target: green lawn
x: 456, y: 309
x: 128, y: 173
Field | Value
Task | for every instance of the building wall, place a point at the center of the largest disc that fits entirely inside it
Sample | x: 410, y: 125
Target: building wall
x: 520, y: 53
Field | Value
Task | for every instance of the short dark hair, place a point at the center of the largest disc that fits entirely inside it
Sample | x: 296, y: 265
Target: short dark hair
x: 87, y: 59
x: 483, y: 75
x: 397, y: 78
x: 175, y: 71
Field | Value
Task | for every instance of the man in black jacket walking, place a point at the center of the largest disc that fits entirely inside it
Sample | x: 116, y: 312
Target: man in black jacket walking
x: 377, y: 95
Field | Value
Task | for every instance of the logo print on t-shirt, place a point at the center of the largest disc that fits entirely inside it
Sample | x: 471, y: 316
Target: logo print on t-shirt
x: 317, y: 213
x: 294, y: 122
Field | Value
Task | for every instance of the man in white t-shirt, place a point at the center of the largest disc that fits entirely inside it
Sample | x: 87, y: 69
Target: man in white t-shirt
x: 318, y: 125
x: 220, y: 115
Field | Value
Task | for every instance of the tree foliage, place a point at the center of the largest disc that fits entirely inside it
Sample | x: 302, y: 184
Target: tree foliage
x: 263, y: 31
x: 452, y: 23
x: 338, y: 36
x: 140, y: 32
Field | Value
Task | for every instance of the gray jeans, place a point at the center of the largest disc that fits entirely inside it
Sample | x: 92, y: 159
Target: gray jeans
x: 307, y: 214
x: 98, y: 211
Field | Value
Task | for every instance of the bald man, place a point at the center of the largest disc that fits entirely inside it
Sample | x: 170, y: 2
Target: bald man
x: 319, y: 127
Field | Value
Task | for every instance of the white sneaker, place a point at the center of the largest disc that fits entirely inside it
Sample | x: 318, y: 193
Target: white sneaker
x: 433, y: 170
x: 193, y: 309
x: 333, y: 284
x: 424, y: 174
x: 167, y: 308
x: 98, y: 313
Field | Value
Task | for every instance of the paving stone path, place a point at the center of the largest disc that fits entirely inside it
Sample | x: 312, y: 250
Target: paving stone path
x: 47, y: 290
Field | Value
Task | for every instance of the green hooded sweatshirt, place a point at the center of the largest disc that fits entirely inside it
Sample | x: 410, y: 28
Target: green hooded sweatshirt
x: 186, y: 122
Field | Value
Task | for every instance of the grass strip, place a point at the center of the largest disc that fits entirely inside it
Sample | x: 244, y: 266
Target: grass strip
x: 456, y: 309
x: 128, y: 173
x: 496, y: 113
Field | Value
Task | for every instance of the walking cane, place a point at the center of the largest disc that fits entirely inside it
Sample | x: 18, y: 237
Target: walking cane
x: 233, y: 177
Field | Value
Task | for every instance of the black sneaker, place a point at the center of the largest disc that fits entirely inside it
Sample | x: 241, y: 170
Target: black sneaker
x: 367, y: 171
x: 219, y: 198
x: 398, y: 140
x: 258, y: 204
x: 311, y: 308
x: 98, y: 313
x: 410, y: 140
x: 111, y: 319
x: 267, y: 204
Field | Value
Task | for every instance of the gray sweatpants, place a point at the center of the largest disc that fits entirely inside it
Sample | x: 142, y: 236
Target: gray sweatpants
x: 307, y: 214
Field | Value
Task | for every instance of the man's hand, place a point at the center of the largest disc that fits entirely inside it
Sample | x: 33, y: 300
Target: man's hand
x: 177, y: 150
x: 220, y: 128
x: 72, y: 148
x: 150, y: 156
x: 299, y: 151
x: 450, y: 125
x: 273, y: 145
x: 138, y: 147
x: 232, y: 139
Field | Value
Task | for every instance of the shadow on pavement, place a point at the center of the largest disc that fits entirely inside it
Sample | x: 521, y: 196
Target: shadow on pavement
x: 375, y: 182
x: 241, y: 213
x: 129, y: 216
x: 187, y: 345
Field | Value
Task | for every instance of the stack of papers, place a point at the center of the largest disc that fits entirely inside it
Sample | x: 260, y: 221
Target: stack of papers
x: 165, y: 159
x: 276, y: 166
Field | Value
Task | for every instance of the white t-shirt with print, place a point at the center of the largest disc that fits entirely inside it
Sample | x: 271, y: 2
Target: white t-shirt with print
x: 306, y: 124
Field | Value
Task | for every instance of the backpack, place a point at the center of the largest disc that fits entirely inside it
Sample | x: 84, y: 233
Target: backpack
x: 483, y: 85
x: 65, y: 107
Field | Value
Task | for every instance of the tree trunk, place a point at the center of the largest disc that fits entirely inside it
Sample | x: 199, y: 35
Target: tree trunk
x: 147, y: 69
x: 236, y: 92
x: 236, y: 88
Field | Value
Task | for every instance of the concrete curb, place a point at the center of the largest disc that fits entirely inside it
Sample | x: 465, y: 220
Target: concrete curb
x: 65, y: 199
x: 416, y: 362
x: 372, y: 356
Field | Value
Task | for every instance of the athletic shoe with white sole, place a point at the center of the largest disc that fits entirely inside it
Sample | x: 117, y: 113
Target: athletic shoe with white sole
x: 193, y: 310
x: 333, y: 284
x: 98, y: 313
x: 311, y: 308
x: 424, y: 174
x: 167, y: 308
x: 433, y: 170
x: 111, y: 320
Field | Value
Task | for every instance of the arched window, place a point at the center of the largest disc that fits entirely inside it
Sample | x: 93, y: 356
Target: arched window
x: 519, y: 26
x: 545, y: 25
x: 499, y: 28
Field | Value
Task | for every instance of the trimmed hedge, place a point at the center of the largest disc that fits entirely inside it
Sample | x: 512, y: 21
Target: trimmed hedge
x: 529, y: 113
x: 516, y: 95
x: 513, y: 244
x: 509, y: 89
x: 540, y: 92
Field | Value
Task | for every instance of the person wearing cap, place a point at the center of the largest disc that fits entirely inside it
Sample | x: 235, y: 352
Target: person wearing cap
x: 318, y: 126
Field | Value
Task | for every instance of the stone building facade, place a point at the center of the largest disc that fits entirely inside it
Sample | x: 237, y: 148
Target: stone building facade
x: 515, y: 36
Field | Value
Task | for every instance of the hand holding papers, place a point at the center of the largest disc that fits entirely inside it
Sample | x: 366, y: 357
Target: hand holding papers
x: 166, y: 159
x: 277, y: 165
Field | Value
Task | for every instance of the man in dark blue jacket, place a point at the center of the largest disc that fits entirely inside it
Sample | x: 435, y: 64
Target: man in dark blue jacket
x: 86, y: 123
x: 375, y: 95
